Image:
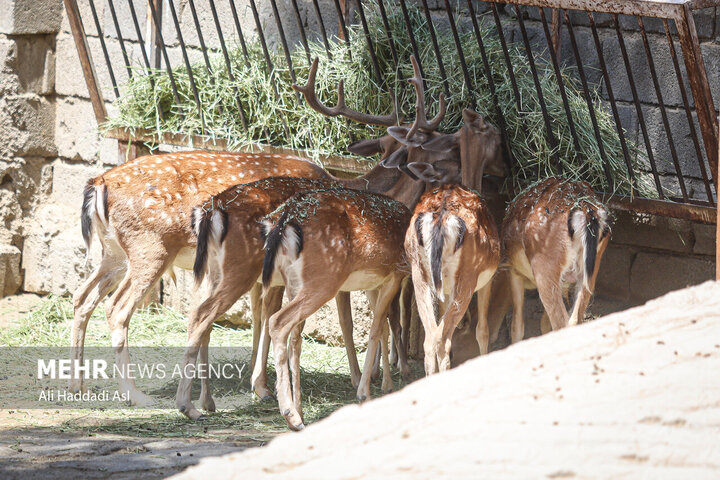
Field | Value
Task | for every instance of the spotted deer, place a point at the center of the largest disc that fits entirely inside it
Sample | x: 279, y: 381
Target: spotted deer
x: 230, y: 254
x: 319, y: 243
x: 554, y: 235
x: 453, y: 248
x: 140, y: 212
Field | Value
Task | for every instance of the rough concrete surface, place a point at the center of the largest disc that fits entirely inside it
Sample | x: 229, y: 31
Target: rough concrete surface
x: 632, y: 395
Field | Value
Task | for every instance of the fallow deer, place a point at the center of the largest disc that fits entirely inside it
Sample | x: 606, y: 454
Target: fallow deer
x: 322, y: 242
x: 554, y: 235
x: 230, y: 254
x: 140, y: 211
x: 454, y: 249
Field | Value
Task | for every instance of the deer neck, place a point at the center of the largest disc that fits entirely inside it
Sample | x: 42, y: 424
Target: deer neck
x: 388, y: 181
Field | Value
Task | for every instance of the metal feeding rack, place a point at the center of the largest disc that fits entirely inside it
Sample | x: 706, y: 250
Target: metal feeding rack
x: 670, y: 20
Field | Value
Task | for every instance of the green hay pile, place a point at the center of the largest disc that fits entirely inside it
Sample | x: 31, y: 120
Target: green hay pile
x: 270, y: 115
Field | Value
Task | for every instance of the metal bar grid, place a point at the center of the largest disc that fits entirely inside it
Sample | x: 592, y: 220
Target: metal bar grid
x: 511, y: 31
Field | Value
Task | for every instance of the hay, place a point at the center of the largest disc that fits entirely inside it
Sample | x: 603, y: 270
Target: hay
x: 269, y: 115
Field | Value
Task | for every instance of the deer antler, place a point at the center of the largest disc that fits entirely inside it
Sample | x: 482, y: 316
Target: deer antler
x: 421, y: 122
x: 308, y: 91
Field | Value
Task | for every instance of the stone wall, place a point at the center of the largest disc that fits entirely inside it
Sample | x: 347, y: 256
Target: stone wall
x: 49, y: 145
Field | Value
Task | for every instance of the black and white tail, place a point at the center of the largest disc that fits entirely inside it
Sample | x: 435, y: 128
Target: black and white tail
x: 94, y: 212
x: 434, y: 231
x: 210, y: 227
x: 283, y: 233
x: 591, y: 225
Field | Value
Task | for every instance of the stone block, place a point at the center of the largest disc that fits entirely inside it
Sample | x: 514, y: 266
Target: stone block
x: 76, y: 133
x: 54, y: 251
x: 10, y: 277
x: 86, y: 15
x: 655, y: 274
x: 69, y: 79
x: 653, y: 232
x: 27, y: 125
x: 32, y: 62
x: 69, y: 181
x: 613, y: 279
x: 21, y: 17
x: 704, y: 239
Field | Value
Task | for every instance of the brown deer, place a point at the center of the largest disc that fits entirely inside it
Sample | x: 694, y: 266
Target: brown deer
x: 230, y: 254
x: 322, y: 242
x: 554, y: 235
x: 454, y: 249
x: 141, y: 213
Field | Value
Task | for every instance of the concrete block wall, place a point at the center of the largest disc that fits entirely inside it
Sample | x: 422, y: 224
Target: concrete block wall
x: 49, y: 145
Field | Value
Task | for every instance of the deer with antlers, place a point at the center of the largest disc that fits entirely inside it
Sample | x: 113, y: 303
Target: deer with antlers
x: 554, y: 235
x: 454, y: 249
x: 322, y: 242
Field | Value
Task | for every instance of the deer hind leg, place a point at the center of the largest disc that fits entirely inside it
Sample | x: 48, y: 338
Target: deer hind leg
x: 406, y: 291
x: 256, y: 307
x: 500, y: 302
x: 138, y: 281
x: 219, y: 299
x: 305, y: 303
x: 271, y: 303
x: 372, y: 299
x: 206, y: 401
x: 102, y: 280
x: 456, y: 305
x: 482, y: 330
x: 397, y: 330
x: 294, y: 354
x: 545, y: 326
x: 383, y: 297
x: 517, y: 289
x: 342, y: 300
x: 551, y: 296
x: 426, y: 311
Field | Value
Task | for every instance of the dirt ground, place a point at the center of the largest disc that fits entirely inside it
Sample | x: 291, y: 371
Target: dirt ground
x: 70, y: 444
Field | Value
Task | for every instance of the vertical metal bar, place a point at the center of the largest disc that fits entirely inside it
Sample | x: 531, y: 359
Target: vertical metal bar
x: 104, y: 48
x: 538, y: 89
x: 507, y: 152
x: 261, y: 35
x: 468, y: 83
x: 283, y: 41
x: 153, y: 25
x: 663, y: 112
x: 191, y: 77
x: 163, y: 50
x: 371, y: 48
x: 388, y: 32
x: 436, y: 47
x: 133, y: 14
x: 241, y: 37
x: 691, y: 122
x: 111, y: 4
x: 506, y: 55
x: 697, y: 75
x: 638, y: 108
x: 561, y: 82
x: 301, y: 28
x: 411, y: 34
x: 203, y: 48
x: 343, y: 31
x: 322, y: 28
x: 228, y: 65
x: 78, y: 32
x: 589, y: 101
x: 613, y: 104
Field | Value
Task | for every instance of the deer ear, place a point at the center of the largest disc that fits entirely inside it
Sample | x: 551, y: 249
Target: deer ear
x: 425, y: 172
x: 396, y: 159
x: 441, y: 144
x: 366, y: 148
x: 400, y: 134
x: 470, y: 116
